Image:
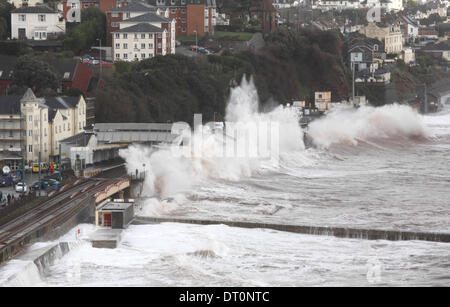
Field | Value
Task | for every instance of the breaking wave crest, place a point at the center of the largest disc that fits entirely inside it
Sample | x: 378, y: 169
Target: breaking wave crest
x: 348, y: 126
x: 168, y: 174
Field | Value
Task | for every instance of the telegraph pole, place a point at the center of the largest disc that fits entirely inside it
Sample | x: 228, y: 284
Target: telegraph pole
x: 353, y: 83
x: 425, y: 107
x: 59, y: 163
x: 39, y: 165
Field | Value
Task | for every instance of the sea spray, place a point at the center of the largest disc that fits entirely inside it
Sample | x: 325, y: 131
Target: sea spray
x: 167, y: 174
x: 347, y: 126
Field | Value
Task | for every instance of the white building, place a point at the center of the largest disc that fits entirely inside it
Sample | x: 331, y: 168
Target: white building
x: 388, y: 5
x: 36, y: 22
x: 22, y: 3
x: 30, y: 125
x: 144, y: 36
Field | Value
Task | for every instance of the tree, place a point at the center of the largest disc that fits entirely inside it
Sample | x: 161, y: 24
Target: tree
x: 86, y: 34
x: 34, y: 73
x: 5, y: 18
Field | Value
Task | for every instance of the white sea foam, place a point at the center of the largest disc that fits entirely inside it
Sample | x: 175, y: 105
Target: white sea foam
x: 347, y: 126
x: 168, y: 174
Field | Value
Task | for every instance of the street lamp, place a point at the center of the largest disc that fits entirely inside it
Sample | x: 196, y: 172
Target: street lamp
x: 196, y: 41
x: 99, y: 39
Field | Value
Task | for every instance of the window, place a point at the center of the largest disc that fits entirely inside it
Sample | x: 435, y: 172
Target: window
x: 183, y: 29
x: 59, y: 129
x: 128, y: 14
x: 30, y: 148
x: 135, y: 56
x: 125, y: 35
x: 117, y: 55
x: 143, y: 55
x: 68, y: 127
x: 135, y: 46
x: 30, y: 118
x: 22, y: 17
x: 143, y: 35
x: 115, y: 15
x: 159, y: 45
x: 150, y: 46
x: 135, y: 35
x: 64, y: 127
x: 173, y: 11
x: 125, y: 46
x: 142, y: 46
x: 30, y: 132
x: 159, y: 35
x: 117, y: 46
x: 183, y: 11
x: 45, y: 131
x: 41, y: 18
x: 125, y: 56
x: 114, y: 24
x: 117, y: 35
x: 10, y: 134
x: 150, y: 36
x: 79, y: 125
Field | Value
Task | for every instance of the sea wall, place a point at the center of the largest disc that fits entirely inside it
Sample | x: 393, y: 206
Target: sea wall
x: 340, y: 232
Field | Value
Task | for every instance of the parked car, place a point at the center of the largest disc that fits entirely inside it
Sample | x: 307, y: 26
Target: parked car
x: 203, y: 51
x: 21, y: 187
x: 104, y: 63
x: 6, y: 181
x: 94, y: 62
x: 35, y: 185
x: 193, y: 48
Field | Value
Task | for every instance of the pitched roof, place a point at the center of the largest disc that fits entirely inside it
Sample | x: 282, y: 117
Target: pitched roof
x: 62, y: 102
x: 66, y: 68
x: 134, y: 7
x: 7, y: 63
x: 141, y: 27
x: 80, y: 140
x: 168, y: 3
x: 149, y: 17
x: 34, y: 10
x: 10, y: 104
x: 28, y: 96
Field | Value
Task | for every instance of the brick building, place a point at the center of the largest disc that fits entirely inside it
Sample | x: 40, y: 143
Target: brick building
x: 190, y: 15
x: 102, y: 5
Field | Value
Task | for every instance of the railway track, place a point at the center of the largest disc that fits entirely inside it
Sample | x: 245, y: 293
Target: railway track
x: 53, y: 209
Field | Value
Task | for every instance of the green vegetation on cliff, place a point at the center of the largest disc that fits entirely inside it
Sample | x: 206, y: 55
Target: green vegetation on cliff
x: 171, y: 88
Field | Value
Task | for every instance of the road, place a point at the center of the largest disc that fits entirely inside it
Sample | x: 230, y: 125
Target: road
x: 29, y: 178
x: 185, y: 51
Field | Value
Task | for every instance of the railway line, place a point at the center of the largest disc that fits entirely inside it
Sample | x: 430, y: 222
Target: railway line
x: 53, y: 211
